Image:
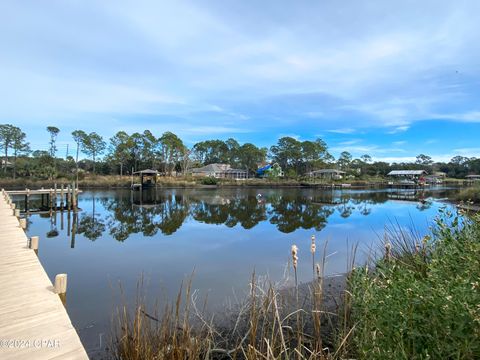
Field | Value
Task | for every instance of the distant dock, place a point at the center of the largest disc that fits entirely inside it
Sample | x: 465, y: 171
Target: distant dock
x: 33, y: 321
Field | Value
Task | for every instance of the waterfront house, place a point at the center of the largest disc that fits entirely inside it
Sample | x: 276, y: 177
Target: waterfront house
x: 220, y: 171
x: 328, y: 174
x: 472, y: 178
x: 270, y: 170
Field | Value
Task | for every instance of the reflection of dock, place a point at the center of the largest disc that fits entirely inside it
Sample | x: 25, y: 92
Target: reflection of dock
x: 408, y: 196
x: 33, y: 321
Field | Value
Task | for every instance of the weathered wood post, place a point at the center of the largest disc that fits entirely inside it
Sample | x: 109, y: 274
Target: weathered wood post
x: 23, y: 223
x: 17, y: 213
x: 34, y: 243
x: 61, y: 287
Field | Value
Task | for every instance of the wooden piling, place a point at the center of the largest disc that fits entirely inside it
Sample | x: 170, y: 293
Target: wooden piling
x: 61, y: 287
x: 17, y: 213
x: 23, y: 223
x: 34, y: 240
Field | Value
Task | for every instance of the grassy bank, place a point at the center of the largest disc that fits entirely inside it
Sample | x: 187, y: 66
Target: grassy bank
x: 422, y: 301
x: 112, y: 181
x: 470, y: 194
x: 418, y: 301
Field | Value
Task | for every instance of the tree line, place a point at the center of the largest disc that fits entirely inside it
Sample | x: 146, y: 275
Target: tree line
x: 123, y: 153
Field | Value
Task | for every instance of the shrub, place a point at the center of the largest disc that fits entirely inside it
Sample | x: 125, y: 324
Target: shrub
x: 209, y: 180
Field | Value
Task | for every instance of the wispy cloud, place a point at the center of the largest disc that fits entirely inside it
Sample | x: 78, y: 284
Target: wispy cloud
x: 342, y: 131
x: 399, y: 129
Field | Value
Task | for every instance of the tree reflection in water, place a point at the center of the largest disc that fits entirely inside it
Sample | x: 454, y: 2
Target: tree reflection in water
x: 149, y: 211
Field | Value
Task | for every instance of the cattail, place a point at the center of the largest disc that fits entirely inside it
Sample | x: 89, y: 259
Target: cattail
x: 313, y: 247
x: 388, y: 250
x: 294, y: 256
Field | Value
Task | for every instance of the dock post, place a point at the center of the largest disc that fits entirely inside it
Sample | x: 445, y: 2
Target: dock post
x: 17, y: 213
x: 34, y: 243
x: 55, y: 195
x: 23, y: 223
x: 61, y: 287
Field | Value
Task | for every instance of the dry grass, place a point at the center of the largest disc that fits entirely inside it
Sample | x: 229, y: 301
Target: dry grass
x: 270, y: 323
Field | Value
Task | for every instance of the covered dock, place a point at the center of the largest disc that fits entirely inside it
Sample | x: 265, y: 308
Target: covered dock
x: 148, y: 178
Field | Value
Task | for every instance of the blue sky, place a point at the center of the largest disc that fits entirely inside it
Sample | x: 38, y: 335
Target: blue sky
x: 389, y: 78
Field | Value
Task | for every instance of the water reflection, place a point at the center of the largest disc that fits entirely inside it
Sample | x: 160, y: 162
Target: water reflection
x: 152, y: 211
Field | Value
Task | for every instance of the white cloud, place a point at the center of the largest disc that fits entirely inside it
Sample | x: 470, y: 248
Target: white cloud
x: 399, y: 129
x: 388, y: 64
x: 342, y: 131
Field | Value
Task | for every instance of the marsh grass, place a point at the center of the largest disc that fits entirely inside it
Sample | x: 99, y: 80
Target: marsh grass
x: 270, y: 323
x: 423, y: 301
x: 470, y: 194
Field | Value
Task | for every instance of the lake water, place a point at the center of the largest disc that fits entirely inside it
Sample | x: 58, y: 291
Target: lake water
x: 221, y: 234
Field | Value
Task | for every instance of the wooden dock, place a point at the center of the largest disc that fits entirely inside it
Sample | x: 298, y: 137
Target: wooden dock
x: 33, y: 321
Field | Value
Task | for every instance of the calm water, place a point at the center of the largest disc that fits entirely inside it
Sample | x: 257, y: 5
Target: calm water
x: 222, y: 234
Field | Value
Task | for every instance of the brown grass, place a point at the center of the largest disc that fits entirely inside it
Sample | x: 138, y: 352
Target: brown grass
x: 270, y: 323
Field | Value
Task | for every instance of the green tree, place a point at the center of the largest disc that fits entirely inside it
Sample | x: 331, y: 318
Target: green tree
x: 366, y: 158
x: 119, y: 149
x: 250, y: 156
x: 233, y: 151
x: 171, y: 147
x: 79, y: 138
x: 19, y: 146
x: 7, y: 134
x: 149, y: 148
x: 211, y: 151
x: 288, y: 154
x: 344, y: 160
x: 314, y: 154
x: 423, y: 159
x: 53, y: 131
x: 93, y: 145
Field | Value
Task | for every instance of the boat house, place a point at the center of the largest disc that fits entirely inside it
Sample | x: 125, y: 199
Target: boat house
x: 148, y: 178
x: 220, y: 171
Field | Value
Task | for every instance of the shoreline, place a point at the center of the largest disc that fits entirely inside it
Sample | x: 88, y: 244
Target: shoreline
x: 117, y: 182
